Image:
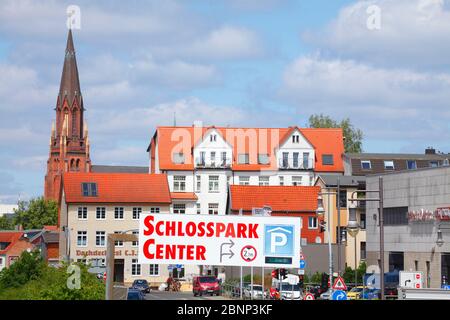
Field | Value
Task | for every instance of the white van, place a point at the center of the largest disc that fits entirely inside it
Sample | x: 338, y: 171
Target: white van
x: 290, y: 288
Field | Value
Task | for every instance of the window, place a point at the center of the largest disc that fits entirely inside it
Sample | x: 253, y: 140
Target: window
x: 305, y: 160
x: 213, y: 183
x: 100, y: 213
x: 179, y: 208
x: 118, y: 243
x: 362, y: 223
x: 296, y: 181
x: 411, y: 164
x: 137, y: 213
x: 327, y: 159
x: 263, y: 158
x: 135, y: 243
x: 82, y: 238
x: 98, y: 262
x: 135, y: 267
x: 396, y: 261
x: 201, y: 161
x: 155, y: 210
x: 213, y: 138
x: 389, y: 165
x: 295, y: 155
x: 179, y: 183
x: 178, y: 158
x: 395, y: 216
x: 244, y: 180
x: 118, y: 213
x: 362, y: 250
x: 285, y: 159
x: 366, y: 165
x: 263, y: 181
x: 243, y: 158
x: 224, y: 158
x: 281, y: 180
x: 213, y: 158
x: 312, y: 223
x: 434, y: 164
x: 100, y: 240
x: 154, y: 269
x: 198, y: 184
x: 342, y: 198
x: 295, y: 139
x: 89, y: 189
x: 82, y: 213
x: 213, y: 208
x: 199, y: 208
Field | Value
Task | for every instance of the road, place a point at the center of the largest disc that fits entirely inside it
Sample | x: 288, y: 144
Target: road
x: 163, y: 295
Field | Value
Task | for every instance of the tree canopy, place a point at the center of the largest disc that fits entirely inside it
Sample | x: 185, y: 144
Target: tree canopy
x: 353, y: 136
x: 36, y: 213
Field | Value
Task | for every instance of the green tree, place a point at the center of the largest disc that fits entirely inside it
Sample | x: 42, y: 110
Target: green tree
x: 29, y: 266
x: 36, y: 213
x: 6, y: 223
x: 353, y: 136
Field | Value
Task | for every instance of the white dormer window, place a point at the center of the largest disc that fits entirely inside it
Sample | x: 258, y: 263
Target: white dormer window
x: 213, y: 138
x: 295, y: 138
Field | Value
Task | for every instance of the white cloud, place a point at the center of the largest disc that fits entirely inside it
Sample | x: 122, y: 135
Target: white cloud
x: 413, y: 34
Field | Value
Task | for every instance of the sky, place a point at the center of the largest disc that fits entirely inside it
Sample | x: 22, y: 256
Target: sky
x: 385, y: 64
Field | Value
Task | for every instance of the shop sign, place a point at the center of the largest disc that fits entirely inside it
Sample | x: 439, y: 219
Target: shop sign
x: 440, y: 214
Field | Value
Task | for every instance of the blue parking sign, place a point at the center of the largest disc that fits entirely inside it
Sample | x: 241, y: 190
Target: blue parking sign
x: 279, y: 240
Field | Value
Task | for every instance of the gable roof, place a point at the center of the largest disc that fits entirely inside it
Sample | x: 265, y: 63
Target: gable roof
x: 324, y: 141
x: 279, y: 198
x: 118, y: 188
x: 10, y: 237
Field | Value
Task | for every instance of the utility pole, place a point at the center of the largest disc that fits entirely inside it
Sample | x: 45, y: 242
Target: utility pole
x: 380, y: 184
x: 338, y: 236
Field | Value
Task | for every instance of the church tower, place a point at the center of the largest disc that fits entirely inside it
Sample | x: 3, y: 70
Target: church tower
x: 69, y: 142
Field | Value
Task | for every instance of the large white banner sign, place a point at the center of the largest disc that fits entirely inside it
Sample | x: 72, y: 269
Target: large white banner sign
x: 219, y: 240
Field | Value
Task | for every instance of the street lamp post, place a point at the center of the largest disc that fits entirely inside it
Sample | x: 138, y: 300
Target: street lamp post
x: 353, y: 229
x: 320, y: 212
x: 381, y: 223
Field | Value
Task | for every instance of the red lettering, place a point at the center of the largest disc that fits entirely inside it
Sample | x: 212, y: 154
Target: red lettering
x: 210, y: 228
x: 170, y: 228
x: 252, y: 231
x: 241, y: 230
x: 220, y: 228
x: 230, y: 231
x: 200, y: 253
x: 148, y: 223
x: 159, y: 251
x: 181, y: 251
x: 147, y: 244
x: 190, y: 229
x: 158, y: 228
x: 201, y: 229
x: 190, y: 253
x: 171, y: 252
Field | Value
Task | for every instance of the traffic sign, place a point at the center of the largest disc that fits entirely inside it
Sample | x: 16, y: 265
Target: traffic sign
x: 339, y: 295
x: 302, y: 264
x: 309, y: 296
x: 411, y: 280
x: 446, y: 287
x: 339, y: 284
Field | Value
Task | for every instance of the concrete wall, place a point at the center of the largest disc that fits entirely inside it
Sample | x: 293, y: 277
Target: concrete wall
x: 419, y: 189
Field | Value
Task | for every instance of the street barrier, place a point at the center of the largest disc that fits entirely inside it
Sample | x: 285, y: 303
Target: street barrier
x: 423, y: 294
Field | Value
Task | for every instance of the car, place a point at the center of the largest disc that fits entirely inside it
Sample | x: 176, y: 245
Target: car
x: 134, y: 294
x: 141, y: 284
x: 204, y: 285
x: 257, y: 291
x: 316, y: 291
x: 355, y: 293
x: 371, y: 294
x: 326, y: 295
x: 291, y: 292
x: 391, y: 293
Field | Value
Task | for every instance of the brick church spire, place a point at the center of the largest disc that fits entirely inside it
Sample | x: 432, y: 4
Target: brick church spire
x: 69, y: 143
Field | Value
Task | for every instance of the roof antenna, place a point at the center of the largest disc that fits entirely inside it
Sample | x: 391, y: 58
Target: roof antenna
x: 174, y: 118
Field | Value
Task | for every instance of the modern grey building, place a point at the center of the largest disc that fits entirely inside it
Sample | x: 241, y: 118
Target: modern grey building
x: 416, y: 206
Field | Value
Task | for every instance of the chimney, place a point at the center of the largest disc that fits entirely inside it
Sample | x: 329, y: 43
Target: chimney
x: 430, y: 150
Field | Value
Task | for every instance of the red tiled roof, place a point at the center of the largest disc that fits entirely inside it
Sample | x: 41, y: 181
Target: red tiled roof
x: 118, y: 188
x: 51, y: 228
x: 280, y: 198
x: 324, y: 141
x: 183, y: 196
x: 11, y: 237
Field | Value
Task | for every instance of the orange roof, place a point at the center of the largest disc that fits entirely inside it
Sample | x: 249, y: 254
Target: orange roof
x: 12, y: 237
x: 51, y: 228
x: 324, y: 141
x: 183, y: 196
x: 280, y: 198
x: 118, y: 187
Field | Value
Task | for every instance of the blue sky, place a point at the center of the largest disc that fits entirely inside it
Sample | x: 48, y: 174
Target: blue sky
x: 246, y: 63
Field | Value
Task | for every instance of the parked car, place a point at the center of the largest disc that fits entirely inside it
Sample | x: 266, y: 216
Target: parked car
x: 134, y: 294
x: 371, y: 294
x: 391, y: 293
x: 291, y: 292
x: 257, y: 291
x: 205, y: 284
x: 326, y: 295
x: 355, y: 293
x: 142, y: 285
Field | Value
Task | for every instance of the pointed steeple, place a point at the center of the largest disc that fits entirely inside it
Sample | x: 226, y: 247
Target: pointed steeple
x: 70, y: 82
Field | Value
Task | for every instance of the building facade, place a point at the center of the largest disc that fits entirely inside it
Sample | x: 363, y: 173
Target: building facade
x: 416, y: 211
x: 202, y: 162
x: 69, y: 142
